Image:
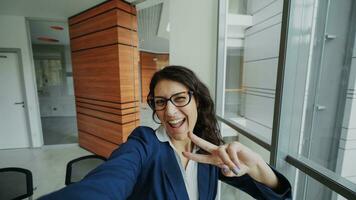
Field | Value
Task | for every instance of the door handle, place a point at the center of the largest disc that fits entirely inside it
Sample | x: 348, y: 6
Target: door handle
x: 329, y: 36
x: 20, y: 103
x: 320, y: 107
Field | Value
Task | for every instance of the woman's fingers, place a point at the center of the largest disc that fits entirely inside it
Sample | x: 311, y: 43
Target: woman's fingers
x: 225, y: 157
x: 207, y: 146
x: 202, y: 158
x: 232, y: 150
x: 226, y: 170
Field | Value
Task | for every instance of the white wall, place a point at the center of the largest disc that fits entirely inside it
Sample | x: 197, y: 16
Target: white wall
x: 193, y: 37
x: 14, y: 35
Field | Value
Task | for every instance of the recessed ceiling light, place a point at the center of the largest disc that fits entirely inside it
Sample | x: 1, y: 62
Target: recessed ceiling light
x: 47, y: 39
x: 57, y: 28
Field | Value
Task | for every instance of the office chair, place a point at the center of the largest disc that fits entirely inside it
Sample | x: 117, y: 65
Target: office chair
x: 78, y: 168
x: 15, y: 183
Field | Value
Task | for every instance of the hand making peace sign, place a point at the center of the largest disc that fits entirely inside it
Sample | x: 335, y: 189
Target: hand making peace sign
x: 234, y: 159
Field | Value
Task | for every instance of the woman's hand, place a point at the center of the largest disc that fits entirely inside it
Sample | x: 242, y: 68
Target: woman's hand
x: 234, y: 159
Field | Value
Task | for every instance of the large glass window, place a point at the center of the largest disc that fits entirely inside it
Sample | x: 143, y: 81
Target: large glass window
x: 249, y: 36
x: 324, y: 89
x: 249, y: 63
x: 299, y: 99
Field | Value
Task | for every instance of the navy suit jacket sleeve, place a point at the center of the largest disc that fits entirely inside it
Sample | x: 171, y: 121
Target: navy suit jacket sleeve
x: 116, y: 178
x: 259, y: 190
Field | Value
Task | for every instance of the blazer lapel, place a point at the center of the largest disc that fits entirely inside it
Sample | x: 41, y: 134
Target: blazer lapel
x: 173, y: 173
x: 207, y: 181
x: 203, y: 181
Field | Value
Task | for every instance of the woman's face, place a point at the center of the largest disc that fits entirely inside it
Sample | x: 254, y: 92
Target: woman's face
x: 176, y: 120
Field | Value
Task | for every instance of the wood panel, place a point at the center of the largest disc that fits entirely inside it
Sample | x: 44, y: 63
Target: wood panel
x: 109, y: 109
x: 120, y: 119
x: 117, y: 105
x: 162, y: 60
x: 134, y: 22
x: 128, y: 73
x: 109, y: 5
x: 145, y: 81
x: 93, y: 73
x: 95, y: 144
x: 148, y: 60
x: 125, y: 19
x: 115, y: 35
x: 94, y: 70
x: 136, y: 72
x: 127, y: 37
x: 105, y: 71
x: 103, y: 21
x: 150, y: 63
x: 108, y: 130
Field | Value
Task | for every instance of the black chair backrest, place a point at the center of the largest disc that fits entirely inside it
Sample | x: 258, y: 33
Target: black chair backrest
x: 78, y: 168
x: 15, y: 183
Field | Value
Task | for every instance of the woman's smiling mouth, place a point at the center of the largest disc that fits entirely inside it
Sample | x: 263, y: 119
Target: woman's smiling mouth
x: 176, y: 123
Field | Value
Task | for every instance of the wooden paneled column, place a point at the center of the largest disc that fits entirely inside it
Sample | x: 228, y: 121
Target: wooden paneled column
x: 150, y: 63
x: 105, y: 72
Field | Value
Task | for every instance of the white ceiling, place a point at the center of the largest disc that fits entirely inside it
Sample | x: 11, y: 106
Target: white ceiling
x: 45, y: 13
x: 46, y: 9
x: 39, y: 28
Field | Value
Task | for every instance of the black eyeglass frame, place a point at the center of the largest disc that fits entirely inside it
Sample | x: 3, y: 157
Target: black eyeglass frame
x: 151, y: 101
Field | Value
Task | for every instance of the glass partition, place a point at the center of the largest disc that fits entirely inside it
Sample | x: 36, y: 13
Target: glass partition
x: 318, y: 116
x: 315, y: 114
x: 248, y: 62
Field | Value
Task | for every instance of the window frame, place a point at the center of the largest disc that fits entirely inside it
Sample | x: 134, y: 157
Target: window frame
x: 281, y: 157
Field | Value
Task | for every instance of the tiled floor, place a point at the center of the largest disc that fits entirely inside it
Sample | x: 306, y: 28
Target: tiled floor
x: 59, y: 130
x: 47, y: 164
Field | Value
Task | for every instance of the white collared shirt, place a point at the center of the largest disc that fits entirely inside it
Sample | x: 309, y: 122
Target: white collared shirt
x: 190, y: 174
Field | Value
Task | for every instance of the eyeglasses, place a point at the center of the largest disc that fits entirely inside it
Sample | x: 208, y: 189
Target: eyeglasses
x: 180, y: 99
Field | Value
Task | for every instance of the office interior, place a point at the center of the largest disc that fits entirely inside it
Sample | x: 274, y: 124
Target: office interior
x: 282, y: 74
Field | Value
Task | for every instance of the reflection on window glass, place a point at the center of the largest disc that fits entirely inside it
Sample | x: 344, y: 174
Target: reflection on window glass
x: 237, y: 6
x: 233, y: 84
x: 325, y: 80
x: 308, y: 193
x: 328, y: 131
x: 251, y: 60
x: 49, y: 74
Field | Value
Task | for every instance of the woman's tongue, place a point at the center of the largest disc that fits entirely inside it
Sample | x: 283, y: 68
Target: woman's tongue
x: 176, y: 123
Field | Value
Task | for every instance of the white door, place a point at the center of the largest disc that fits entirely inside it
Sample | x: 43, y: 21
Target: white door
x: 13, y: 128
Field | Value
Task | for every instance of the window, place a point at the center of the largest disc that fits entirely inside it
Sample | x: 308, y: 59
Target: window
x: 290, y: 88
x: 319, y: 85
x: 248, y: 61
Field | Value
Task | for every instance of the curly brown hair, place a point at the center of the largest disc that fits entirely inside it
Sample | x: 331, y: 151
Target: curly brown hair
x: 207, y: 125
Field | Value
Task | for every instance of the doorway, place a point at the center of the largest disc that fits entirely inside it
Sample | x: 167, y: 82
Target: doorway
x: 13, y: 117
x: 54, y: 79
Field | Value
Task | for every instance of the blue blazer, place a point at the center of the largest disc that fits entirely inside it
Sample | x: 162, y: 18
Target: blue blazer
x: 145, y: 168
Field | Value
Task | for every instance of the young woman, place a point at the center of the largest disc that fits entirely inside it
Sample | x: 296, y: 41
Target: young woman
x: 184, y: 158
